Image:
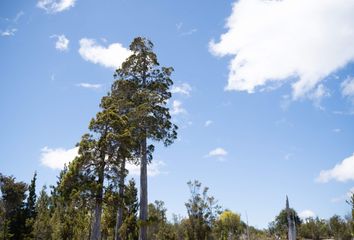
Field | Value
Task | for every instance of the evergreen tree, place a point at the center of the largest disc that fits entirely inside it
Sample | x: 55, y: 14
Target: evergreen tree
x: 42, y: 229
x: 129, y: 228
x: 13, y: 196
x: 150, y: 91
x: 30, y: 210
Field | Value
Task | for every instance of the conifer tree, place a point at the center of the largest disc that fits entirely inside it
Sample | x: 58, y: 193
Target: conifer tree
x: 150, y: 91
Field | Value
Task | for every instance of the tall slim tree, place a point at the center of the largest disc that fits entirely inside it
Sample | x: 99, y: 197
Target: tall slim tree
x: 149, y: 112
x: 30, y: 209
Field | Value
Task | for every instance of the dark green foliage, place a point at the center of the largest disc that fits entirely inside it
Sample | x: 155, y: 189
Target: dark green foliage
x: 42, y: 230
x: 148, y: 86
x: 30, y: 209
x: 129, y: 229
x: 13, y: 208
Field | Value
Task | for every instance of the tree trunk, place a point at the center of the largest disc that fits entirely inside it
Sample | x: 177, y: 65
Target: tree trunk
x: 96, y: 226
x: 143, y: 193
x: 119, y: 220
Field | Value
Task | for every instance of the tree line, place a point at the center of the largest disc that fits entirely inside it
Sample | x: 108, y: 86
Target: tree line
x: 93, y: 199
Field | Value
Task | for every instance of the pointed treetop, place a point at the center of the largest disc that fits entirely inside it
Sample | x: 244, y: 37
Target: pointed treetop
x: 287, y: 202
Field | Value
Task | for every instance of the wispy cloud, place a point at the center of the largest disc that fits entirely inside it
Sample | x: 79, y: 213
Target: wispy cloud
x: 111, y: 56
x: 208, y: 123
x: 8, y: 32
x: 183, y: 89
x: 278, y: 41
x: 177, y: 108
x: 342, y: 172
x: 55, y: 6
x: 348, y: 88
x: 89, y: 85
x: 62, y: 43
x: 153, y: 169
x: 56, y: 158
x: 189, y: 32
x: 336, y: 130
x: 219, y: 153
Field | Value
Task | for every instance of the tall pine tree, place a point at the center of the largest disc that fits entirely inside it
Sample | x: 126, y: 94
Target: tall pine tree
x: 151, y: 117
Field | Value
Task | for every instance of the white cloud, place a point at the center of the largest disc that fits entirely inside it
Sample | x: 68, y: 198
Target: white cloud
x: 342, y: 172
x: 56, y: 158
x: 89, y: 85
x: 183, y: 89
x: 219, y: 153
x: 111, y: 57
x: 307, y: 214
x: 208, y: 123
x: 348, y: 87
x: 274, y: 41
x: 62, y: 43
x: 8, y: 32
x: 55, y: 6
x: 153, y: 169
x: 177, y: 108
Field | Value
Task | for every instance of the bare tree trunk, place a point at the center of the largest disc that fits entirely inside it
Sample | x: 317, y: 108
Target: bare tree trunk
x: 119, y: 220
x: 96, y: 226
x: 143, y: 193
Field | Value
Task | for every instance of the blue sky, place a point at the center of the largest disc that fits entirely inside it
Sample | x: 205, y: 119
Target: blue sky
x: 264, y: 95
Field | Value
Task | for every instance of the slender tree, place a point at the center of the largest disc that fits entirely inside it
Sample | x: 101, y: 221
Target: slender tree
x: 150, y: 84
x: 30, y: 208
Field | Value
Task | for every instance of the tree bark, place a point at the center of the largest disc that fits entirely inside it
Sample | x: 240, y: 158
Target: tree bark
x: 119, y: 220
x: 143, y: 193
x: 96, y: 226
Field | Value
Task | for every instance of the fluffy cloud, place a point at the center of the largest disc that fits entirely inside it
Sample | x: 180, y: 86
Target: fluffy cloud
x: 62, y: 43
x: 342, y: 172
x: 55, y: 6
x: 8, y: 32
x: 183, y: 89
x: 89, y: 85
x: 307, y: 214
x: 177, y: 108
x: 348, y: 87
x: 110, y: 57
x: 56, y: 158
x: 274, y: 41
x: 219, y: 153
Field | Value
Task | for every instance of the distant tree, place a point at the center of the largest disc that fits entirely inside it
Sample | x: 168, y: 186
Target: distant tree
x: 71, y: 207
x: 338, y: 228
x: 228, y: 226
x: 13, y: 195
x: 280, y: 225
x: 159, y: 227
x: 129, y: 229
x: 314, y: 228
x: 42, y: 229
x: 202, y: 212
x: 351, y: 203
x: 152, y: 118
x: 30, y: 207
